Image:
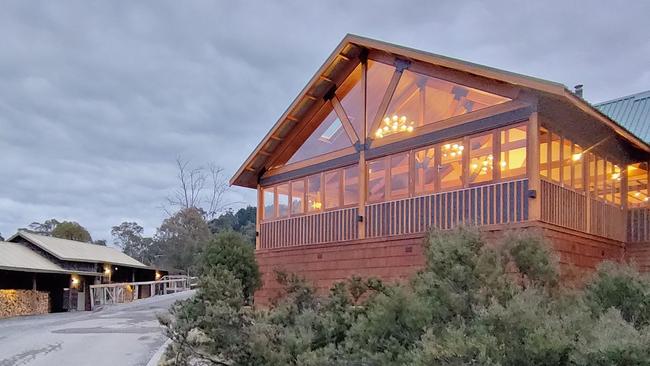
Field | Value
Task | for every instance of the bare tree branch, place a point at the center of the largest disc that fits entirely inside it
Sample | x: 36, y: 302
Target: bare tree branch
x: 199, y: 187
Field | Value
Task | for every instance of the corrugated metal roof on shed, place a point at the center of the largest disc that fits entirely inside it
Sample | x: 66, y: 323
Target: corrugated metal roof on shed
x: 632, y: 112
x: 76, y: 251
x: 18, y: 257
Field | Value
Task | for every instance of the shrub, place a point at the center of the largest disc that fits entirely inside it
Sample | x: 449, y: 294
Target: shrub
x: 472, y: 304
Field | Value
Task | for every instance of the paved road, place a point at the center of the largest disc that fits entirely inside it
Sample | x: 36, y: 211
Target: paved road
x: 122, y: 335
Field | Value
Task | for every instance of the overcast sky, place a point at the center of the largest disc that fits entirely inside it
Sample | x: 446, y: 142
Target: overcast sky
x: 98, y: 98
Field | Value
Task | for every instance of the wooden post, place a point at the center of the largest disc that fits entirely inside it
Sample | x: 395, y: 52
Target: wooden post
x: 363, y: 174
x: 624, y: 205
x: 534, y: 183
x: 258, y: 217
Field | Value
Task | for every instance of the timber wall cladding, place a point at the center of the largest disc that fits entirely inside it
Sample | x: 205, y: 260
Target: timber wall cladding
x: 23, y: 302
x: 639, y: 255
x: 391, y: 259
x: 395, y: 259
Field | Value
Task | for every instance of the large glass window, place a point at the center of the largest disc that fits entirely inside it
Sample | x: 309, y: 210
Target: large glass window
x: 609, y: 181
x: 593, y: 175
x: 269, y: 203
x: 283, y: 200
x: 512, y: 163
x: 351, y: 185
x: 379, y: 76
x: 451, y: 165
x: 481, y: 160
x: 314, y: 193
x: 421, y: 100
x: 399, y: 175
x: 566, y: 162
x: 577, y: 159
x: 333, y: 189
x: 555, y: 162
x: 329, y: 136
x: 425, y: 170
x: 544, y: 137
x: 616, y: 181
x: 350, y: 93
x: 637, y: 184
x: 377, y: 180
x: 297, y: 197
x: 600, y: 177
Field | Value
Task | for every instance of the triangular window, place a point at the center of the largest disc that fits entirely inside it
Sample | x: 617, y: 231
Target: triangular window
x: 421, y: 100
x: 379, y: 75
x: 328, y: 137
x: 350, y: 93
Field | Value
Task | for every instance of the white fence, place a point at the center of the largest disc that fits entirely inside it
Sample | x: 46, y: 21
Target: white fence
x: 119, y: 293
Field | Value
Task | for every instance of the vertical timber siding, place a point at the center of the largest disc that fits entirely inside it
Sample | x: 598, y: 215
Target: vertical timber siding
x: 325, y: 227
x: 494, y: 204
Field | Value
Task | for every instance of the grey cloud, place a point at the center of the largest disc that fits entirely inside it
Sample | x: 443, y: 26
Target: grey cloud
x: 98, y: 98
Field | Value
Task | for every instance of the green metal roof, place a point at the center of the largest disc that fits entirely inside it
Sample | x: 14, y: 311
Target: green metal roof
x: 631, y: 112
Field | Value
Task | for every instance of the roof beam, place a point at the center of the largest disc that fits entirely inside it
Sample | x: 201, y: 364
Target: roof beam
x: 343, y: 117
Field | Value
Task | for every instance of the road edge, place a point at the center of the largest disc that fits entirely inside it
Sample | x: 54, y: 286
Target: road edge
x: 158, y: 355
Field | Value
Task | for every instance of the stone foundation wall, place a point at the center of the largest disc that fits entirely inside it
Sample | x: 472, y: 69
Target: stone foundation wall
x: 23, y: 302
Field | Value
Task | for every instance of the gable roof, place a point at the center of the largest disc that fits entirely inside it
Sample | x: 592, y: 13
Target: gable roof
x: 76, y: 251
x: 631, y: 112
x: 345, y: 57
x: 18, y: 257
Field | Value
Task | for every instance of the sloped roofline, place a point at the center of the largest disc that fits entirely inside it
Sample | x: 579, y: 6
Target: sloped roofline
x: 26, y: 260
x: 555, y: 89
x: 36, y: 240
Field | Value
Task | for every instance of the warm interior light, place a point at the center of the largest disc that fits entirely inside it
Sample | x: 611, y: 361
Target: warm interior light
x: 394, y: 124
x: 576, y: 156
x: 316, y: 205
x: 452, y: 150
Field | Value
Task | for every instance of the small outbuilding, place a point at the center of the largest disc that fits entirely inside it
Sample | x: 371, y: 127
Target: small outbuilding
x: 41, y: 274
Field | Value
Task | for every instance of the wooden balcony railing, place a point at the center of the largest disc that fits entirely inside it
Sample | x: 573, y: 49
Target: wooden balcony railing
x: 638, y: 225
x: 567, y: 208
x: 607, y: 220
x: 492, y: 204
x: 324, y: 227
x: 563, y: 207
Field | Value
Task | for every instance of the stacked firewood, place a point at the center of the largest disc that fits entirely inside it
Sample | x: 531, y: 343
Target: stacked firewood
x: 23, y: 302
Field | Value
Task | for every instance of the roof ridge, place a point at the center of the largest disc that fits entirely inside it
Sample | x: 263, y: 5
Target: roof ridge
x: 631, y: 96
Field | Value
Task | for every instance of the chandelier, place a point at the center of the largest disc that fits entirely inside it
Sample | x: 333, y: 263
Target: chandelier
x: 393, y: 125
x: 482, y: 165
x: 452, y: 150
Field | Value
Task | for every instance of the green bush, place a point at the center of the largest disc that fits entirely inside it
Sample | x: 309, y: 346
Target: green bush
x: 231, y: 250
x: 472, y: 304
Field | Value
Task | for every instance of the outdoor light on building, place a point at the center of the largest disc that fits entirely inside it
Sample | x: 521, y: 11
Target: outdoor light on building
x: 157, y: 275
x: 316, y: 205
x: 576, y: 156
x: 393, y: 125
x: 75, y: 281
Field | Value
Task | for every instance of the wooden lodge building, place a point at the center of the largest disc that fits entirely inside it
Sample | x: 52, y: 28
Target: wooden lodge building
x: 385, y: 142
x: 40, y: 274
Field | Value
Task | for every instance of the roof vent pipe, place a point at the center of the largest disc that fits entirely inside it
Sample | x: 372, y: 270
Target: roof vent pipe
x: 577, y: 90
